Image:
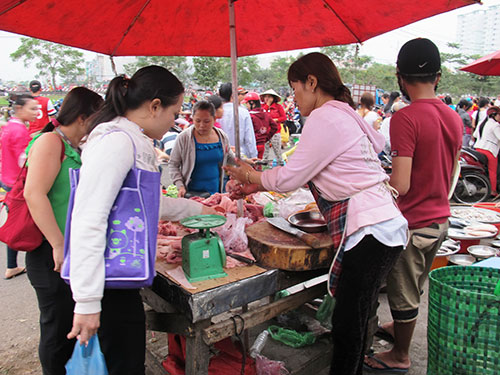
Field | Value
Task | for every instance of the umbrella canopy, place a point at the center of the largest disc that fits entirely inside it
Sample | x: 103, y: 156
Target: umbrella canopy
x: 488, y: 65
x: 200, y: 27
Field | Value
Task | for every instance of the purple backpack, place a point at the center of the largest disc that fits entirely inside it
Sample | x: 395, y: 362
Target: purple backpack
x: 130, y: 252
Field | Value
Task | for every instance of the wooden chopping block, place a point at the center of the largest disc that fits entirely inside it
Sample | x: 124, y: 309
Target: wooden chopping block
x: 275, y: 248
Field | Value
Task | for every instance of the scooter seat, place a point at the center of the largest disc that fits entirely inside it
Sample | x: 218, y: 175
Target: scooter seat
x: 476, y: 154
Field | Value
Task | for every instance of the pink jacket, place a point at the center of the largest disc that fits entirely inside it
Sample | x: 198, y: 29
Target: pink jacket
x: 338, y: 152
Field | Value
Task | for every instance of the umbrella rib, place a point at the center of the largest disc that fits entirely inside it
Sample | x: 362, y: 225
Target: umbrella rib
x: 130, y: 26
x: 12, y: 7
x: 329, y: 7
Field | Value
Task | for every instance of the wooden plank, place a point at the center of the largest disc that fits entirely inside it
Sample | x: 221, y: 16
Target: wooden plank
x: 275, y: 248
x: 220, y: 331
x: 233, y: 275
x: 156, y: 302
x: 197, y: 353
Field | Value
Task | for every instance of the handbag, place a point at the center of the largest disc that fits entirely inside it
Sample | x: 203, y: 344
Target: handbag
x: 130, y: 251
x: 87, y: 360
x: 17, y: 228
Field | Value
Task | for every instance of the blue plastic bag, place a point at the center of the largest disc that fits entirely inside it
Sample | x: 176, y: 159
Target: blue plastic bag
x: 87, y: 360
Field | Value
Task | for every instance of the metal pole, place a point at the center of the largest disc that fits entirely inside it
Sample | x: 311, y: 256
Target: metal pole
x: 234, y: 80
x: 234, y: 76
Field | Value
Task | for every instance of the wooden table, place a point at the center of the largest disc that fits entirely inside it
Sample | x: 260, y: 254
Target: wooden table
x: 190, y: 312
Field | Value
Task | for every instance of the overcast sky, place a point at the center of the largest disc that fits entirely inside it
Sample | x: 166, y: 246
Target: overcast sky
x: 384, y: 48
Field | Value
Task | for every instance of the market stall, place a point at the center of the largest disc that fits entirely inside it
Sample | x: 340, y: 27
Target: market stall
x: 182, y: 304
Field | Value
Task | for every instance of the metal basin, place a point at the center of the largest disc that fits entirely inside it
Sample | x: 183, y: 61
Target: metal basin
x: 308, y: 221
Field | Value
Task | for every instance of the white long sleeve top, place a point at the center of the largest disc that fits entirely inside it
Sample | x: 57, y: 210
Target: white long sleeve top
x: 490, y: 140
x: 106, y: 160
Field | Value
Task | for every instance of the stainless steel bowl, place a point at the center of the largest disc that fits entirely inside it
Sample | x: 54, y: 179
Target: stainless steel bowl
x: 308, y: 221
x: 461, y: 260
x: 482, y: 251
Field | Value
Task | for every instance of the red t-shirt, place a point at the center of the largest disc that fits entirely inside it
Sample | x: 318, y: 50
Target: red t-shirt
x: 45, y: 109
x: 430, y: 133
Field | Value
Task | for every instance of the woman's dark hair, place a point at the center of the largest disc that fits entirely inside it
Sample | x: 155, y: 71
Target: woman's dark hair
x: 464, y: 104
x: 483, y: 102
x: 204, y: 105
x: 394, y: 95
x: 447, y: 100
x: 22, y: 99
x: 367, y: 100
x: 225, y: 91
x: 254, y: 104
x: 79, y: 102
x: 320, y: 66
x: 148, y: 83
x: 215, y: 100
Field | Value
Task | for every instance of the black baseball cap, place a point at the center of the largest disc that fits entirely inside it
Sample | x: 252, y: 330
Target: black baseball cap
x: 35, y: 86
x: 419, y: 58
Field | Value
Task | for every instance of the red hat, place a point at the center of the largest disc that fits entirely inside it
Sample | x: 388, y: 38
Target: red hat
x: 251, y: 96
x: 492, y: 109
x: 241, y: 90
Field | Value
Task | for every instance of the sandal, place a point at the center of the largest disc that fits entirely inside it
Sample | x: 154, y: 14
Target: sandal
x: 385, y: 369
x: 16, y: 272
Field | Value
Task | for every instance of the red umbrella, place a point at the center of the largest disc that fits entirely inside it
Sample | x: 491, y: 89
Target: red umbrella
x: 200, y: 27
x: 488, y: 65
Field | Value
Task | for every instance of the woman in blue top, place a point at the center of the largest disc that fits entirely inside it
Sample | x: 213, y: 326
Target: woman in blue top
x: 199, y: 153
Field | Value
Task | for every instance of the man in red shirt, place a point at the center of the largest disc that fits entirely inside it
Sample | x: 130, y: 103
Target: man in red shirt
x: 425, y: 138
x: 45, y: 108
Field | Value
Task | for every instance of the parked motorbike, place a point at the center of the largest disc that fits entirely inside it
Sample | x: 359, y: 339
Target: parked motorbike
x: 473, y: 184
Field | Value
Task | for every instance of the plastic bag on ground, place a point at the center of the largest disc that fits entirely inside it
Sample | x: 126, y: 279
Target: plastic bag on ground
x: 87, y: 360
x: 266, y: 366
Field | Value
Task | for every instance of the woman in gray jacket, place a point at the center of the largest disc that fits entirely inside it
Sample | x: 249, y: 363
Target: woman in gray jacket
x: 199, y: 153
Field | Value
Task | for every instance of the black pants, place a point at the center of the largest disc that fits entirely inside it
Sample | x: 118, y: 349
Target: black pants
x: 56, y: 310
x: 122, y: 333
x: 363, y: 269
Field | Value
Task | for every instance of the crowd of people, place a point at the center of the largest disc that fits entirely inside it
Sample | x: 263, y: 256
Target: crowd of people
x: 384, y: 227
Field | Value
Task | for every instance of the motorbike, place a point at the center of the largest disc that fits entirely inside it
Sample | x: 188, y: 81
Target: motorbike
x: 473, y: 185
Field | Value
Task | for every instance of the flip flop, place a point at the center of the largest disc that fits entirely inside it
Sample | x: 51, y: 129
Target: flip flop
x: 16, y: 274
x: 386, y: 369
x: 384, y: 335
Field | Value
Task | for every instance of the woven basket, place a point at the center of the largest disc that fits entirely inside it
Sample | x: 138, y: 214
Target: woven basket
x: 463, y: 332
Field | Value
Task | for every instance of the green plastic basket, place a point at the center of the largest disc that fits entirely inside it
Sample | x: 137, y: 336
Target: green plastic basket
x: 463, y: 332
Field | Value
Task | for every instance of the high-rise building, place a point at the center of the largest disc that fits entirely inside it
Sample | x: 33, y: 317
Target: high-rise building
x: 478, y: 32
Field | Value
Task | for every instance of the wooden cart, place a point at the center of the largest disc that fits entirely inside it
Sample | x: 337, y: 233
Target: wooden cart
x: 190, y: 312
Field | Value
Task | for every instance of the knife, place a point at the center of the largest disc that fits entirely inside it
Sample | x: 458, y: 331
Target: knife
x: 284, y: 225
x: 240, y: 258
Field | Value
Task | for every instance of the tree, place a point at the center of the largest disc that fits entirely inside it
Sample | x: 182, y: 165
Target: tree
x: 51, y: 59
x: 176, y: 64
x: 207, y: 70
x: 347, y: 60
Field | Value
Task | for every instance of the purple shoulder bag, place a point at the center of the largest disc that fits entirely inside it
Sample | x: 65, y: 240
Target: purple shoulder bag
x: 130, y: 252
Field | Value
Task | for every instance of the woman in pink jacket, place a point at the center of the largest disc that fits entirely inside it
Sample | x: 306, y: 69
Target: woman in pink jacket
x: 15, y: 138
x: 337, y: 157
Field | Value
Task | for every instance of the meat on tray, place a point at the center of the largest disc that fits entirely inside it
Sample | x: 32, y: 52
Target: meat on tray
x: 232, y: 233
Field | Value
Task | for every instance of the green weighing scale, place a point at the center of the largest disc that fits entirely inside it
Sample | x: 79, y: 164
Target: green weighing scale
x: 203, y: 254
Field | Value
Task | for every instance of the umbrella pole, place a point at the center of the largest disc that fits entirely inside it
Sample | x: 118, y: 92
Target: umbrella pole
x: 234, y: 80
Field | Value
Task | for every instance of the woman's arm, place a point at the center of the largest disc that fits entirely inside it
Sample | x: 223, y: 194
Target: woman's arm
x: 44, y: 164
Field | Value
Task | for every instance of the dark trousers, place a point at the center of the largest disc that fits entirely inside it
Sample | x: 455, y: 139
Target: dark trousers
x: 56, y: 310
x: 122, y: 333
x: 11, y: 258
x: 363, y: 269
